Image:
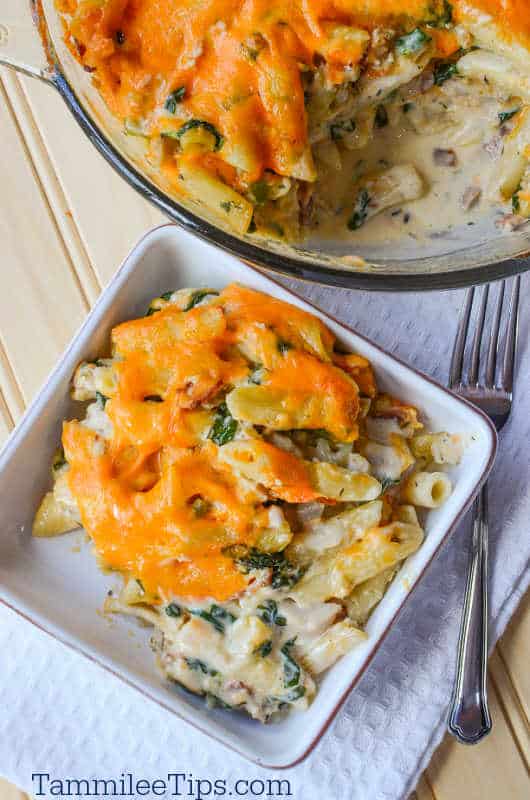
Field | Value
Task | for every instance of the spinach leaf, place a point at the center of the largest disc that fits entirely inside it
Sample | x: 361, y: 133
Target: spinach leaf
x: 102, y: 400
x: 381, y: 117
x: 444, y: 71
x: 197, y: 296
x: 224, y: 426
x: 173, y: 610
x: 338, y: 129
x: 291, y: 668
x: 264, y: 649
x: 269, y: 613
x: 190, y: 125
x: 506, y: 116
x: 284, y: 574
x: 200, y: 666
x: 296, y: 693
x: 387, y: 483
x: 360, y: 211
x: 216, y: 616
x: 174, y: 99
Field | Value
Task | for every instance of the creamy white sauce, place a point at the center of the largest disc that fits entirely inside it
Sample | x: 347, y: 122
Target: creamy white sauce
x: 456, y: 117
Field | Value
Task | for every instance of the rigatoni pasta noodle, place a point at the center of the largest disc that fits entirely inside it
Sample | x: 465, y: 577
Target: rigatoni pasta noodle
x: 255, y: 531
x: 277, y: 117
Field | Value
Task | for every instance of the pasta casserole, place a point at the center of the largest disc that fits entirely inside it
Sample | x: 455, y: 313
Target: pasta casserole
x: 282, y: 117
x: 250, y: 485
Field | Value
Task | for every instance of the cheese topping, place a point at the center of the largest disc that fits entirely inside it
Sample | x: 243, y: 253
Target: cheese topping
x: 251, y: 486
x: 249, y: 109
x: 138, y: 496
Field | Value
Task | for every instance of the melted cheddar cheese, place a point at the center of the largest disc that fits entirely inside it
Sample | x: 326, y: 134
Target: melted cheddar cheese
x: 238, y: 62
x: 511, y: 17
x: 232, y: 97
x: 251, y: 487
x: 136, y: 495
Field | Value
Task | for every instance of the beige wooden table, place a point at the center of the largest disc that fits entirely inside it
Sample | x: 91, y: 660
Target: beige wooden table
x: 66, y: 222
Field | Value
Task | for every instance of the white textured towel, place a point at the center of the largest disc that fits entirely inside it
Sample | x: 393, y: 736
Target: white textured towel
x: 64, y: 716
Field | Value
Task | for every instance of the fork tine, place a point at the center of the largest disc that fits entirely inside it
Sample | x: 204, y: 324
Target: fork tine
x: 511, y: 338
x: 457, y: 359
x: 494, y: 339
x: 477, y: 339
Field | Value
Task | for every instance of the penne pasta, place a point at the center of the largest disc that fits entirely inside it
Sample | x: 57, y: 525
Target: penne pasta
x: 262, y: 121
x: 427, y: 489
x: 255, y: 506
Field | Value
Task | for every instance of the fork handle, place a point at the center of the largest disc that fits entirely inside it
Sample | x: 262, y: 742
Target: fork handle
x: 469, y: 718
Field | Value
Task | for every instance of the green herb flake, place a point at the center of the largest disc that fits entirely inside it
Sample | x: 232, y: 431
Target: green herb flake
x: 228, y: 205
x: 197, y: 297
x: 388, y: 483
x: 173, y: 610
x: 224, y: 426
x: 259, y: 192
x: 284, y: 573
x: 516, y: 203
x: 444, y: 71
x: 338, y: 129
x: 101, y: 399
x: 174, y: 99
x: 381, y: 117
x: 291, y: 669
x: 283, y: 346
x: 217, y: 617
x: 199, y: 666
x: 412, y: 43
x: 407, y: 107
x: 190, y: 125
x: 269, y: 614
x: 506, y: 116
x: 296, y: 693
x: 360, y: 211
x: 264, y: 649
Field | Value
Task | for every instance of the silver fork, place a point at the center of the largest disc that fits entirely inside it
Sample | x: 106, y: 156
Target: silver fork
x: 469, y: 717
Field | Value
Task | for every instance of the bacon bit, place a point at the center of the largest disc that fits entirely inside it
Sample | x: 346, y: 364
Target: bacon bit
x: 494, y: 147
x: 511, y: 222
x: 444, y: 158
x: 306, y: 203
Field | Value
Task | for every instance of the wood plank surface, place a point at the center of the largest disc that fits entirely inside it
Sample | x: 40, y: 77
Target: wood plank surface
x: 84, y: 219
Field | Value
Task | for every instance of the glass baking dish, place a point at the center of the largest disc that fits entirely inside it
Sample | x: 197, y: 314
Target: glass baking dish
x: 31, y: 41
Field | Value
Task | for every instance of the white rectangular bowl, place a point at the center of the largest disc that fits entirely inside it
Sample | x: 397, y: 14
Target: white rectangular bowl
x: 44, y: 580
